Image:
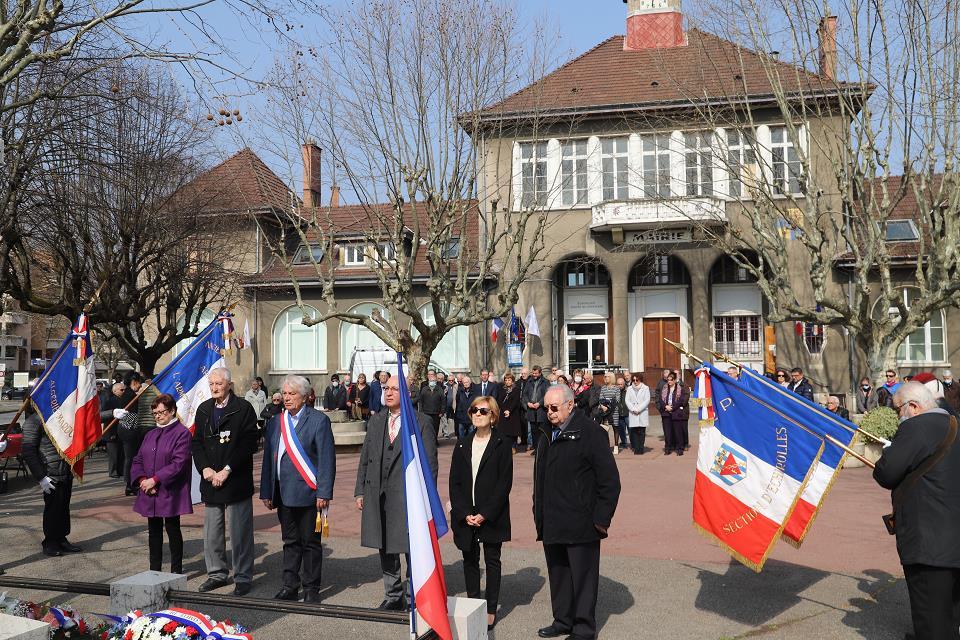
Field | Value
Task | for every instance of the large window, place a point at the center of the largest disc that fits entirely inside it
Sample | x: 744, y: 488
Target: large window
x: 655, y: 158
x: 698, y: 155
x: 737, y: 335
x: 926, y: 344
x: 787, y: 171
x: 354, y: 255
x: 614, y: 162
x: 297, y: 347
x: 453, y: 352
x: 355, y: 336
x: 741, y: 162
x: 533, y: 171
x: 583, y: 272
x: 573, y: 172
x: 656, y: 270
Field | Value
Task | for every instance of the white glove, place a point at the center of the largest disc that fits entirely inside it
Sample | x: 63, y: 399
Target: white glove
x: 47, y: 484
x: 120, y: 413
x: 3, y: 445
x: 886, y: 443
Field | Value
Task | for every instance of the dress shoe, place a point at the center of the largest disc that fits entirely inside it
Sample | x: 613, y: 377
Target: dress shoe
x: 129, y: 492
x: 311, y: 595
x: 679, y: 452
x: 67, y: 547
x: 53, y: 553
x: 574, y: 636
x: 392, y: 605
x: 287, y: 593
x: 213, y: 583
x: 552, y: 632
x: 241, y: 589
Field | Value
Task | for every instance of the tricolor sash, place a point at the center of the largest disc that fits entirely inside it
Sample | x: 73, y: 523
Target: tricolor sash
x: 290, y: 444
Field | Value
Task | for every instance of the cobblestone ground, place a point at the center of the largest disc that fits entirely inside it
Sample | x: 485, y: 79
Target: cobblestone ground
x: 660, y: 579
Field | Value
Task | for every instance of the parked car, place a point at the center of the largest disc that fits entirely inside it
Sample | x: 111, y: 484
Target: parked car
x: 15, y: 393
x: 380, y: 359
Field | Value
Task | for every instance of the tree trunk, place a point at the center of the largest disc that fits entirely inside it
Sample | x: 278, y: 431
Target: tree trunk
x: 880, y: 356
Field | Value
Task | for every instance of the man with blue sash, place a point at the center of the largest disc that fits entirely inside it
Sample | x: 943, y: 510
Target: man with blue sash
x: 299, y: 466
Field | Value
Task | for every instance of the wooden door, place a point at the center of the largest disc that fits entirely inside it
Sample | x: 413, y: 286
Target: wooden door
x: 657, y: 354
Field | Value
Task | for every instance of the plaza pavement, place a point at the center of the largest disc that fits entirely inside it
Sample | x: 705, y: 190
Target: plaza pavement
x: 660, y: 578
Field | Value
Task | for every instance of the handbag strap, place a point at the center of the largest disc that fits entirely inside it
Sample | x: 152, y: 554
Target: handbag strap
x: 929, y: 463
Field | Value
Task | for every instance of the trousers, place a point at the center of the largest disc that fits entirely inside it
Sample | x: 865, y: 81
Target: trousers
x: 56, y: 513
x: 155, y: 527
x: 301, y: 544
x: 471, y: 571
x: 240, y: 515
x: 393, y: 586
x: 934, y: 601
x: 574, y: 573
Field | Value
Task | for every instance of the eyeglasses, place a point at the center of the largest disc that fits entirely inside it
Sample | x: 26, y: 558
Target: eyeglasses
x: 161, y: 412
x: 780, y: 375
x: 891, y: 375
x: 553, y: 408
x: 478, y: 410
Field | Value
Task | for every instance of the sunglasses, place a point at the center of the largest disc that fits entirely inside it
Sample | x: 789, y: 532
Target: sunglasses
x: 553, y: 408
x: 891, y: 375
x: 478, y: 410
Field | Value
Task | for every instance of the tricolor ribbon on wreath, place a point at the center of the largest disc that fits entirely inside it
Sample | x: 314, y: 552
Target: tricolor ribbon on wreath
x: 703, y: 397
x: 204, y: 625
x: 290, y: 444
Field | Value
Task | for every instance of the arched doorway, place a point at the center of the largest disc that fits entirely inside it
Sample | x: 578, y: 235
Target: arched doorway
x: 658, y: 304
x: 737, y: 313
x: 583, y: 304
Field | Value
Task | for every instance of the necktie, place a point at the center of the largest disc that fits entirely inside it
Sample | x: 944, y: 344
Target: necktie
x: 393, y: 427
x: 556, y: 433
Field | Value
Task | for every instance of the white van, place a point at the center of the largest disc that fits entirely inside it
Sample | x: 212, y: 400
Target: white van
x: 373, y: 359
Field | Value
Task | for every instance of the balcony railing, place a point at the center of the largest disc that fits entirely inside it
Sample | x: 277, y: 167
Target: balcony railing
x: 9, y: 340
x: 659, y: 213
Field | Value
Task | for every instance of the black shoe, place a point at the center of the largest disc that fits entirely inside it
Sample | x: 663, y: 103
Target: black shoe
x: 392, y: 605
x: 66, y: 547
x: 679, y: 452
x: 53, y: 553
x: 213, y: 583
x: 288, y: 593
x: 241, y: 589
x: 311, y: 595
x: 129, y: 492
x: 552, y: 632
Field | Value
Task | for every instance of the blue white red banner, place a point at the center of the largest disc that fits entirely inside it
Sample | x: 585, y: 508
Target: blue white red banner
x: 426, y: 521
x: 65, y: 397
x: 752, y: 466
x: 828, y: 467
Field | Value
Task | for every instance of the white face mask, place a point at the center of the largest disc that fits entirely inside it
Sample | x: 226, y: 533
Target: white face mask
x: 335, y: 384
x: 578, y: 379
x: 432, y: 383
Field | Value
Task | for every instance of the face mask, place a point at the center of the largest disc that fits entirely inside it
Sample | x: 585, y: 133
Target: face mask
x: 433, y: 383
x: 336, y: 384
x: 865, y: 387
x: 578, y: 379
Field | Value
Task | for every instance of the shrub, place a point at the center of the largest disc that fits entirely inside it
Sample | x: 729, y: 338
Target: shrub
x: 881, y: 422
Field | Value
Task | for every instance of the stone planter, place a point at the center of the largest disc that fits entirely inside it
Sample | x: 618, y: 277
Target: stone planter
x: 872, y: 451
x: 851, y: 462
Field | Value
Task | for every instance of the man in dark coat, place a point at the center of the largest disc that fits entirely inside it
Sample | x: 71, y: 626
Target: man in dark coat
x: 128, y: 427
x: 531, y: 399
x: 335, y: 395
x: 799, y: 384
x: 926, y: 509
x: 576, y: 487
x: 376, y: 390
x: 486, y: 387
x: 433, y: 400
x: 53, y: 475
x: 466, y: 392
x: 951, y: 391
x: 380, y: 492
x: 224, y: 441
x: 284, y: 487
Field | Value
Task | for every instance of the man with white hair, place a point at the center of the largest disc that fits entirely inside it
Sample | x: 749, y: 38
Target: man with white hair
x: 299, y: 466
x: 224, y: 441
x: 922, y: 469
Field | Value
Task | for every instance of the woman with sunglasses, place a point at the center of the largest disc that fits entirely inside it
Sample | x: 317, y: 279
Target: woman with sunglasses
x: 674, y: 413
x: 782, y: 378
x: 481, y: 476
x: 161, y: 472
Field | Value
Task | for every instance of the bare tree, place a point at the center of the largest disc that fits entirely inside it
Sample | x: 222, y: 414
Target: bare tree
x: 866, y: 135
x: 397, y: 101
x: 111, y: 209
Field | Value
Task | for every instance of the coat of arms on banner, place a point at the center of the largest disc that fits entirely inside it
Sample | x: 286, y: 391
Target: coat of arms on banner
x: 729, y: 464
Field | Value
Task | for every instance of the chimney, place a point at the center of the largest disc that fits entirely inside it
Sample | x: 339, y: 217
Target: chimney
x: 654, y: 24
x: 311, y: 175
x: 334, y: 196
x: 827, y: 36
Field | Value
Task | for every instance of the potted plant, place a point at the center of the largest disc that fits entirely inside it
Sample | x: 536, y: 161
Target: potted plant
x: 881, y: 422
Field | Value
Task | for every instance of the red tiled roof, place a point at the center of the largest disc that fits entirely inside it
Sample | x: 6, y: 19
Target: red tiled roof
x: 709, y: 67
x: 351, y: 222
x: 241, y: 182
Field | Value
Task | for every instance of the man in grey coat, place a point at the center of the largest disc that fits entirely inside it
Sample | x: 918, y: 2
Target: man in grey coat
x: 380, y: 491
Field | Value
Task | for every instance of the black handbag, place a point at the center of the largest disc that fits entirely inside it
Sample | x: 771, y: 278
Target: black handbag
x: 890, y: 520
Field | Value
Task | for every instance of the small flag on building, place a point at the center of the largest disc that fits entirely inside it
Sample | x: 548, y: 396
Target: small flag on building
x: 533, y: 328
x: 495, y: 331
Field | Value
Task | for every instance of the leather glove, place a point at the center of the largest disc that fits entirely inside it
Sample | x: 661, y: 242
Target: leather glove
x: 47, y: 484
x: 120, y: 413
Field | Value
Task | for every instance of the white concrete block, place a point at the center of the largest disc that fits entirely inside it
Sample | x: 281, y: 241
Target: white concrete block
x: 146, y: 591
x: 468, y: 619
x: 14, y: 628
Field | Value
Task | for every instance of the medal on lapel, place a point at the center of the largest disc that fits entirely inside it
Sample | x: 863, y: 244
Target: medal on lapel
x: 224, y: 437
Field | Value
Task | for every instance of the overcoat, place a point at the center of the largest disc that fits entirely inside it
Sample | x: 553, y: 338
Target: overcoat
x: 164, y: 456
x: 316, y: 436
x: 509, y: 400
x: 492, y: 491
x: 380, y: 472
x: 231, y: 442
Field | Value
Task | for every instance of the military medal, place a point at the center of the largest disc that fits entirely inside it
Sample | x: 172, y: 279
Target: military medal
x: 224, y: 437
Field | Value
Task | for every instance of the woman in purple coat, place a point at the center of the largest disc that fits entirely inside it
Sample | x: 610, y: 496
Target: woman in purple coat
x: 161, y: 470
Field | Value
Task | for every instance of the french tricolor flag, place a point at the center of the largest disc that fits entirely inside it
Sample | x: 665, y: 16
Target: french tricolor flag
x: 820, y: 421
x: 497, y: 325
x: 65, y: 397
x: 185, y: 378
x: 752, y: 466
x: 426, y: 522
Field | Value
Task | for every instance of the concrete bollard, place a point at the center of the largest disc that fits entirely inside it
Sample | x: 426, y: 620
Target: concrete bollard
x: 14, y: 628
x: 468, y: 619
x: 146, y: 591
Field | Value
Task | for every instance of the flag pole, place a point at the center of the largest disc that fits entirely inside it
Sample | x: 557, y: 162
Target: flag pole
x: 682, y: 349
x: 867, y: 434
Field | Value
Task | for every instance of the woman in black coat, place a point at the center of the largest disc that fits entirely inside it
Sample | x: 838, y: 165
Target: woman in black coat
x: 481, y: 475
x: 508, y: 398
x: 674, y: 413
